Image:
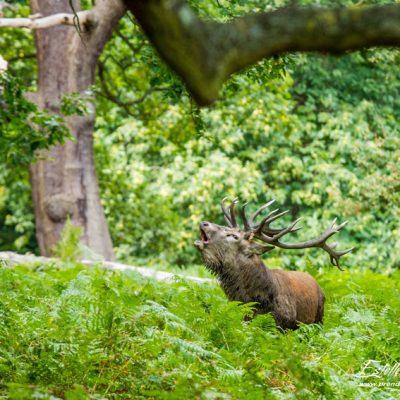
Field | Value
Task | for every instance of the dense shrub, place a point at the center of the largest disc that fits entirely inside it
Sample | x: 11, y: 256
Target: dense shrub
x: 322, y: 139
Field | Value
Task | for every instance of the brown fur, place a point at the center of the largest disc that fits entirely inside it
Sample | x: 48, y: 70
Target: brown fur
x: 291, y: 296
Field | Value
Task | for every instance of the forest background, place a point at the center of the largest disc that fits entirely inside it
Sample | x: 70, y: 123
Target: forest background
x: 317, y: 133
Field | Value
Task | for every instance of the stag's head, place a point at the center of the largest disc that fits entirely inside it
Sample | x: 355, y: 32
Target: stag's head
x: 221, y: 245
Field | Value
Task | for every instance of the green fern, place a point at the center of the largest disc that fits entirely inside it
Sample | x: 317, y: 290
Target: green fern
x: 67, y: 249
x: 86, y: 333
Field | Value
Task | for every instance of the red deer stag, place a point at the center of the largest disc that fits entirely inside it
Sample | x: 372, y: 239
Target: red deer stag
x: 233, y: 256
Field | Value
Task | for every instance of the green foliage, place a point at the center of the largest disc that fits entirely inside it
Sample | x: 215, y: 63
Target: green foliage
x: 17, y: 45
x: 24, y: 129
x: 17, y: 232
x: 76, y: 333
x: 318, y: 133
x: 321, y: 137
x: 67, y: 248
x: 74, y: 104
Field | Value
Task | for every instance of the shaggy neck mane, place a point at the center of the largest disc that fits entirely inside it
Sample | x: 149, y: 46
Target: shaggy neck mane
x: 245, y: 279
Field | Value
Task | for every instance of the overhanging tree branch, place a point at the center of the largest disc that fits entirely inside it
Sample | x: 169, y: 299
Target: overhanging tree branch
x: 206, y: 53
x: 39, y: 22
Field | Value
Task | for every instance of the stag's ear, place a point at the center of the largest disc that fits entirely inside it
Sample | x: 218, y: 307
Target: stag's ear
x: 258, y: 249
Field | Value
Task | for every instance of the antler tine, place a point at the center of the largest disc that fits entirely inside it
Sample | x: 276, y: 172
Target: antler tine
x: 232, y: 212
x: 260, y: 210
x: 286, y: 230
x: 341, y: 226
x: 274, y: 239
x: 229, y: 215
x: 297, y: 229
x: 263, y: 232
x: 275, y: 217
x: 335, y: 255
x: 250, y: 225
x: 263, y: 226
x: 247, y: 226
x: 260, y: 227
x: 225, y: 211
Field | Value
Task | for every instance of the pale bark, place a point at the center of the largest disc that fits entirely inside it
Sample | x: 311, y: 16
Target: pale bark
x: 65, y: 185
x: 206, y: 53
x: 36, y: 22
x: 3, y: 64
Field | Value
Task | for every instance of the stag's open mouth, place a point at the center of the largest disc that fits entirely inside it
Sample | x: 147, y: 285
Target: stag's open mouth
x: 200, y: 244
x: 204, y: 238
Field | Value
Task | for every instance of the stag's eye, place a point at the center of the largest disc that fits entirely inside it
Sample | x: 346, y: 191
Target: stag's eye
x: 236, y: 237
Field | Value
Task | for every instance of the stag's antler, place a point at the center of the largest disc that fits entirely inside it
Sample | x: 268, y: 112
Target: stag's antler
x: 265, y: 233
x: 229, y: 213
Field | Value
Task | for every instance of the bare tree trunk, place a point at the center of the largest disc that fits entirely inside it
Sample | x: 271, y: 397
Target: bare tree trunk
x: 64, y: 184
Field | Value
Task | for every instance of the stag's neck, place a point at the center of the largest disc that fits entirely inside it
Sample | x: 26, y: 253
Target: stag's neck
x: 248, y: 280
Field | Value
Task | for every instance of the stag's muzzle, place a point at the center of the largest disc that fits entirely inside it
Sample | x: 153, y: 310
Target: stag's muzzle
x: 199, y: 244
x: 205, y: 239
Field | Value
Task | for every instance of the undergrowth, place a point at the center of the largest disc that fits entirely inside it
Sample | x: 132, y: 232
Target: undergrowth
x: 68, y: 331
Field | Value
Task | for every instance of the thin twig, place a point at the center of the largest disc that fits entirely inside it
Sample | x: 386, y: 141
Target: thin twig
x: 134, y: 49
x: 114, y: 98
